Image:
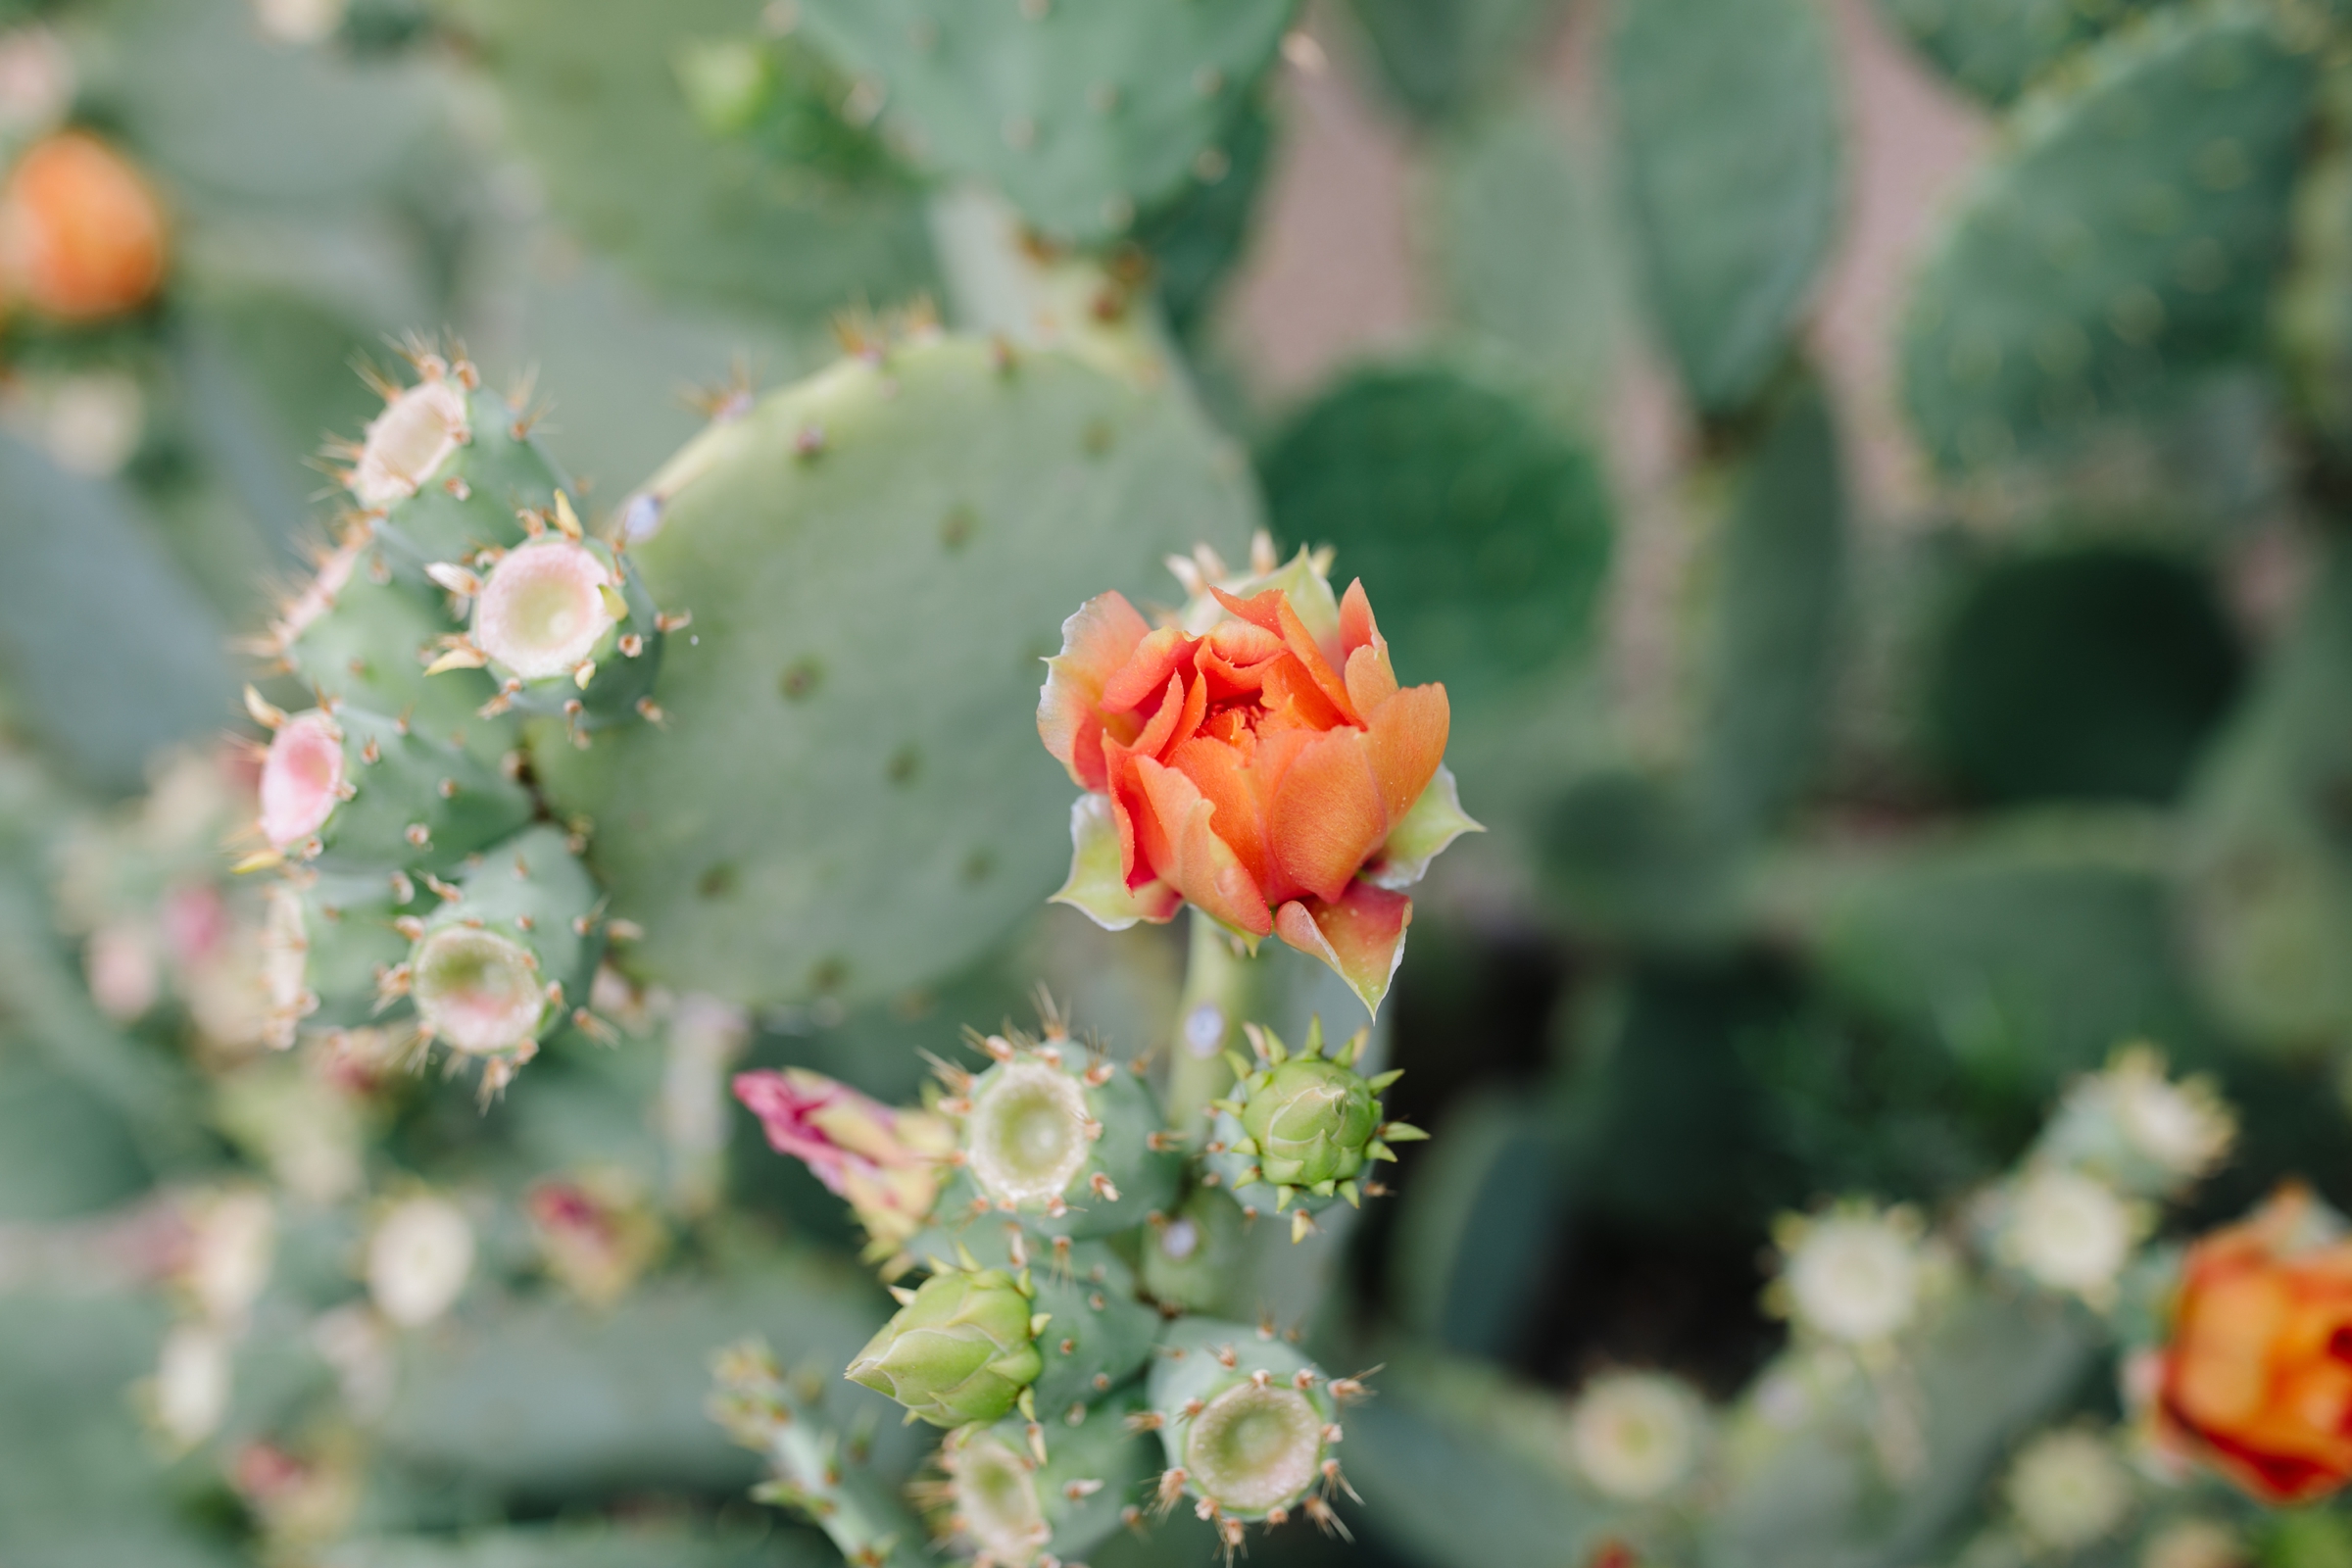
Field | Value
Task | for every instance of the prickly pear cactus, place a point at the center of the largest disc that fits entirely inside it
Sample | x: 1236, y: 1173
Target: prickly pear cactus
x: 2129, y: 233
x: 1083, y: 118
x: 843, y: 800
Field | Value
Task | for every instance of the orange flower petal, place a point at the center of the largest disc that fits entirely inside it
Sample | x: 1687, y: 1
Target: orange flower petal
x: 1147, y: 670
x: 1327, y: 817
x: 1096, y: 643
x: 1360, y: 935
x: 1191, y: 857
x: 1408, y: 735
x: 1303, y: 647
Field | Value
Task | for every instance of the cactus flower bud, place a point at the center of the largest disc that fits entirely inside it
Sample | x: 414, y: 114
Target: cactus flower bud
x: 2068, y: 1490
x: 1855, y: 1275
x: 82, y: 234
x: 2130, y: 1124
x: 419, y: 1259
x: 2253, y: 1380
x: 1255, y: 758
x: 544, y: 608
x: 961, y: 1350
x: 2066, y: 1231
x: 886, y: 1161
x: 1305, y: 1125
x: 1636, y: 1434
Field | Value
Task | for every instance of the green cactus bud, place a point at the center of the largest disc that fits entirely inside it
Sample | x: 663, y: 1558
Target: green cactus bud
x: 350, y: 788
x: 961, y: 1350
x: 1302, y: 1127
x: 1076, y: 1146
x: 1000, y: 1504
x: 1246, y: 1424
x: 507, y: 955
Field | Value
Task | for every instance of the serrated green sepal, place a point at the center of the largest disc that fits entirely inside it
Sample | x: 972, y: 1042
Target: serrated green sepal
x: 960, y: 1353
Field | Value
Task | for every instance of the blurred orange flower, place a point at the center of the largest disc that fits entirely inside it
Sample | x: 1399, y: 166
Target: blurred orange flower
x: 2257, y: 1379
x: 1257, y: 759
x: 82, y: 232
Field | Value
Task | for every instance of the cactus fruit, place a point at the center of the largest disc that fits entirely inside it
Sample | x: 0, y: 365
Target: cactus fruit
x: 816, y: 1472
x: 1071, y: 1142
x: 1302, y: 1128
x: 506, y: 957
x: 1081, y: 117
x: 1732, y: 227
x: 1247, y: 1425
x: 996, y: 1503
x: 844, y: 803
x: 961, y: 1349
x: 82, y: 232
x: 328, y: 943
x: 2087, y: 272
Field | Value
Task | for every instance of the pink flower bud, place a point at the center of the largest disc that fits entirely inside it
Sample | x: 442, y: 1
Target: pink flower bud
x: 883, y: 1159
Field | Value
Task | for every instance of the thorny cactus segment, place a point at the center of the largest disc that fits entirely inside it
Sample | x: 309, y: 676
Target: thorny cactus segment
x: 361, y: 635
x: 814, y: 1471
x: 1099, y: 1332
x: 1855, y: 1275
x: 420, y: 429
x: 355, y: 789
x: 82, y: 232
x: 507, y: 955
x: 1191, y: 1257
x: 328, y: 941
x: 1247, y: 1425
x: 887, y: 1162
x: 962, y: 1349
x: 2149, y: 1135
x: 1072, y: 1142
x: 1255, y: 758
x: 1304, y: 1126
x: 996, y: 1503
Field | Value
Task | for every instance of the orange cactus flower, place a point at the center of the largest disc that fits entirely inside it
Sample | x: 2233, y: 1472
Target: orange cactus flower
x: 1255, y: 758
x: 2257, y: 1377
x: 82, y: 232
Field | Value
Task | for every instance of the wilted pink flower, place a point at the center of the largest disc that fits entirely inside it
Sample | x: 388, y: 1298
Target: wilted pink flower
x: 885, y: 1160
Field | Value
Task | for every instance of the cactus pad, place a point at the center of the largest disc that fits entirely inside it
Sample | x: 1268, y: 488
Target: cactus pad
x: 1081, y: 113
x: 1480, y: 533
x: 1728, y: 125
x: 2129, y: 233
x: 848, y: 798
x: 1995, y: 48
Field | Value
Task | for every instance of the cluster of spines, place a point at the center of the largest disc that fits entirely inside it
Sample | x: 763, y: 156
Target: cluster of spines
x: 409, y: 772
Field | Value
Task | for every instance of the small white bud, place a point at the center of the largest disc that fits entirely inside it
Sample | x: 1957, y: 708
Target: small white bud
x: 1635, y: 1434
x: 418, y: 1260
x: 2068, y: 1490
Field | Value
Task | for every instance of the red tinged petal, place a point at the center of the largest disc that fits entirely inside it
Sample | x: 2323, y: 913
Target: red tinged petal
x: 1096, y: 643
x: 1146, y: 670
x: 1185, y: 849
x: 1360, y: 935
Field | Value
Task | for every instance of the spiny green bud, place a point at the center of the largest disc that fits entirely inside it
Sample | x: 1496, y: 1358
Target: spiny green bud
x: 1304, y: 1125
x: 962, y: 1349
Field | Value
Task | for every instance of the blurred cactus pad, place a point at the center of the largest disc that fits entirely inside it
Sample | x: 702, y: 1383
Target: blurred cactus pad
x: 575, y: 574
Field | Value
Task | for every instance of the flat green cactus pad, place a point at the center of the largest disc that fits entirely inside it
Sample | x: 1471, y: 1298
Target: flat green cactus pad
x: 1995, y: 48
x: 1480, y: 533
x: 1436, y: 55
x: 592, y: 95
x: 848, y: 798
x: 1729, y: 135
x: 1081, y: 113
x: 2128, y: 234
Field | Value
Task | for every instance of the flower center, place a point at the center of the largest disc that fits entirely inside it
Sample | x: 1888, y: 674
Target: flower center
x: 479, y: 992
x: 408, y: 443
x: 1028, y: 1133
x: 1255, y: 1448
x: 543, y: 608
x: 300, y: 779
